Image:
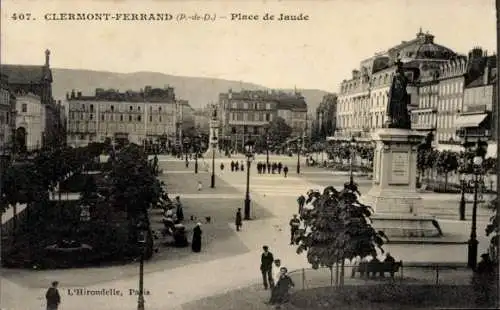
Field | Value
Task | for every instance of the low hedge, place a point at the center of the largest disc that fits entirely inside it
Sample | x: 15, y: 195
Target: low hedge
x: 393, y: 296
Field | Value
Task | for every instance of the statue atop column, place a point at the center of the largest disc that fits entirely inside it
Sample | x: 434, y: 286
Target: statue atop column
x: 214, y: 113
x: 397, y: 109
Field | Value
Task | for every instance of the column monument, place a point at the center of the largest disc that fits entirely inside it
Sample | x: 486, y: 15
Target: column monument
x: 213, y: 139
x: 393, y: 195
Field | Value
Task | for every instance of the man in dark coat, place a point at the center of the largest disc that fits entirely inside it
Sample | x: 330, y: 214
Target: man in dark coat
x: 52, y: 296
x: 232, y: 165
x: 221, y: 166
x: 280, y: 166
x: 268, y: 167
x: 294, y: 227
x: 236, y: 166
x: 301, y: 201
x: 196, y: 242
x: 238, y: 220
x: 266, y: 267
x: 285, y: 171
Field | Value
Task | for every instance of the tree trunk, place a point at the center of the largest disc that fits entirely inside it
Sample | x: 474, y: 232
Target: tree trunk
x: 336, y: 274
x: 445, y: 181
x: 342, y: 272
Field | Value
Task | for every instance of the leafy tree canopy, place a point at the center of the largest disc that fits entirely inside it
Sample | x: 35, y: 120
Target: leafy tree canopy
x: 279, y: 131
x: 338, y: 227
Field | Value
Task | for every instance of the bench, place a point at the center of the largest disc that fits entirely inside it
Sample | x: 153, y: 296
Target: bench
x: 373, y: 268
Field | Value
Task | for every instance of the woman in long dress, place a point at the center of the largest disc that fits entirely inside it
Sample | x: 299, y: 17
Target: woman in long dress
x: 280, y: 292
x: 196, y: 243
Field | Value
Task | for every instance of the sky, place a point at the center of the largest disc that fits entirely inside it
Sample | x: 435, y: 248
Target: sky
x: 317, y: 53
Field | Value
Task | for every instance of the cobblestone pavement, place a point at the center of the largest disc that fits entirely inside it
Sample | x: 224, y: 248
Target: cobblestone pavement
x: 170, y: 288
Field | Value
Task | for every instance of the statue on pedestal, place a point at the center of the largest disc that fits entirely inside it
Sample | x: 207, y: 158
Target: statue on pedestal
x: 397, y: 109
x: 214, y: 114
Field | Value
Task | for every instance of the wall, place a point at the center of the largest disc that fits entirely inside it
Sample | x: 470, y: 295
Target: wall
x: 32, y: 119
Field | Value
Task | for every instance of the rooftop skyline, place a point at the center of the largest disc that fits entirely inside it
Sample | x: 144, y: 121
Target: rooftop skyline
x: 318, y: 53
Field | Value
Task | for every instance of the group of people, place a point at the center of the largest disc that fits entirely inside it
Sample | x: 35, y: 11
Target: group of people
x: 235, y: 166
x: 273, y: 168
x: 173, y: 217
x: 278, y: 281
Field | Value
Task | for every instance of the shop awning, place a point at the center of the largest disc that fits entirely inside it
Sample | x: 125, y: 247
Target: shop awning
x: 470, y: 121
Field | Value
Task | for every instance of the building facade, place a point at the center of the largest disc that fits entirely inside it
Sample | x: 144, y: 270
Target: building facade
x: 326, y: 117
x: 149, y: 115
x: 6, y: 113
x: 440, y: 101
x: 248, y: 114
x: 478, y: 118
x: 37, y: 115
x: 363, y: 99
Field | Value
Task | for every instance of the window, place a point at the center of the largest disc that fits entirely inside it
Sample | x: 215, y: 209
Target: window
x: 159, y: 110
x: 91, y: 116
x: 112, y: 108
x: 91, y: 108
x: 81, y: 115
x: 102, y: 117
x: 24, y: 108
x: 151, y: 109
x: 139, y: 109
x: 121, y: 118
x: 138, y: 118
x: 159, y: 118
x: 268, y: 117
x: 130, y: 118
x: 131, y: 108
x: 150, y: 119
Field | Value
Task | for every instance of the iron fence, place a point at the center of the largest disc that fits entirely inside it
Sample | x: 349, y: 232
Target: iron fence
x: 409, y: 273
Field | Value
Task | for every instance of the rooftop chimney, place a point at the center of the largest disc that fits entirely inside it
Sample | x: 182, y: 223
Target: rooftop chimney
x: 79, y: 94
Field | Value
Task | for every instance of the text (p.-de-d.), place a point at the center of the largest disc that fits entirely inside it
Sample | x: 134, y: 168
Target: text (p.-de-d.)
x: 269, y: 17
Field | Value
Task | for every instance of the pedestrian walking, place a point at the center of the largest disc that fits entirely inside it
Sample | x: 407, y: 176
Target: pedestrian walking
x: 242, y: 166
x: 259, y: 167
x: 52, y: 297
x: 266, y: 267
x: 221, y: 167
x: 232, y: 166
x: 196, y: 242
x: 294, y: 227
x: 236, y: 166
x: 280, y: 166
x: 285, y: 171
x: 280, y: 293
x: 200, y: 186
x: 179, y: 212
x: 268, y: 168
x: 238, y: 220
x: 301, y: 201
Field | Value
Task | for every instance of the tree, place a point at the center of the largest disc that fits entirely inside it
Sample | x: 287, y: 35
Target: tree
x: 492, y: 229
x: 338, y: 228
x: 279, y: 131
x: 447, y: 162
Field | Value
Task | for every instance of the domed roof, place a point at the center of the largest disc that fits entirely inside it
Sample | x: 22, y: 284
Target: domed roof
x: 433, y: 51
x: 423, y: 48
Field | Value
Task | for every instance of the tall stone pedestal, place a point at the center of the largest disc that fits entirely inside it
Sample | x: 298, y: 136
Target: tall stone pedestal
x: 213, y: 140
x: 393, y: 195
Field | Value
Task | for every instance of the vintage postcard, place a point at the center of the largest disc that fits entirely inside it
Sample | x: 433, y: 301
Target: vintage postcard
x: 199, y: 155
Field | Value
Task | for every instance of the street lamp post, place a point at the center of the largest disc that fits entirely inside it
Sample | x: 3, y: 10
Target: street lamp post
x: 473, y: 242
x: 462, y: 197
x: 142, y: 232
x: 351, y: 159
x: 267, y: 149
x: 249, y: 148
x: 299, y: 148
x: 212, y: 178
x: 196, y: 151
x: 186, y: 146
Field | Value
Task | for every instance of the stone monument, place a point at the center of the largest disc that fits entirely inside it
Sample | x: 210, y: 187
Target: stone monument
x: 393, y: 196
x: 213, y: 139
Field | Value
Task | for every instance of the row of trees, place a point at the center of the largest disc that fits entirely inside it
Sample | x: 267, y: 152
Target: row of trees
x: 31, y: 179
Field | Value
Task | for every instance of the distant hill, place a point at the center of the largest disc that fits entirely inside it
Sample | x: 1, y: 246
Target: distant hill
x: 198, y: 90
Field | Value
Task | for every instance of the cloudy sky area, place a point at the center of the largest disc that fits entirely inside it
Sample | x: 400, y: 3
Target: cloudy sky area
x: 318, y: 53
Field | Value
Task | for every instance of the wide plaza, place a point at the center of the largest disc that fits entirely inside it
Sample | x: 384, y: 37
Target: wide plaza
x: 229, y: 259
